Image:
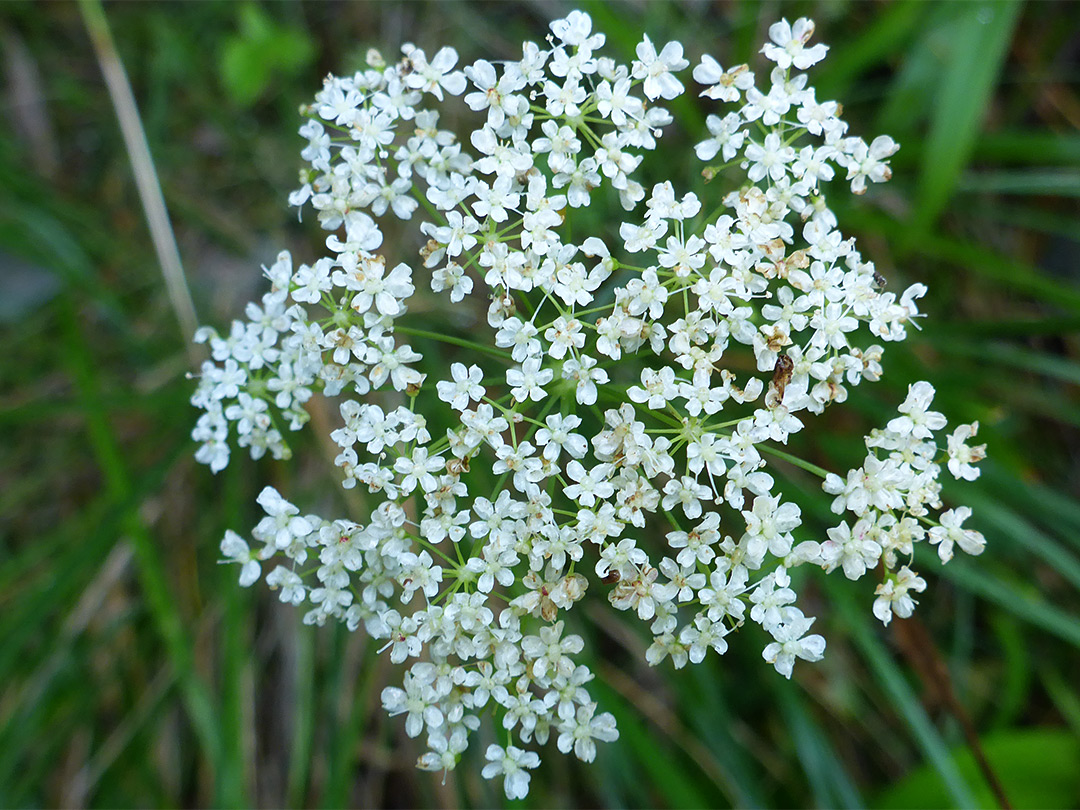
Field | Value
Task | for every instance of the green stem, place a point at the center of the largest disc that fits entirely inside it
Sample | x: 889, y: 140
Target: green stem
x: 821, y: 472
x: 456, y: 341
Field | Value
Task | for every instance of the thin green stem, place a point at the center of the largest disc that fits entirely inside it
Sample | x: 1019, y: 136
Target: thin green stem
x: 802, y: 464
x: 455, y: 341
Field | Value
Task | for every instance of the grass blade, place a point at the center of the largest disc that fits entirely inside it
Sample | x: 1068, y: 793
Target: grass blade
x: 142, y: 166
x: 1042, y: 182
x: 979, y: 45
x: 890, y: 677
x: 1026, y: 605
x: 161, y: 602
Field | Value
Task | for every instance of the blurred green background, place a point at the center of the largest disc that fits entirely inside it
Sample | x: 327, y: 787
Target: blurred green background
x: 135, y: 672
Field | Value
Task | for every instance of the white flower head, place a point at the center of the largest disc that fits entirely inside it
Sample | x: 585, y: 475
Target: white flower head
x: 540, y: 439
x: 788, y: 46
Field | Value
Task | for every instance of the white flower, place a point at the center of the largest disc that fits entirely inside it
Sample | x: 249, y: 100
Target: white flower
x: 529, y: 380
x: 312, y: 282
x: 465, y: 387
x: 686, y: 492
x: 557, y: 436
x: 769, y: 525
x: 850, y: 549
x: 637, y: 238
x: 512, y: 763
x: 339, y: 104
x: 575, y: 31
x: 951, y: 532
x: 727, y: 137
x: 282, y: 524
x: 917, y: 421
x: 361, y: 234
x: 770, y: 158
x: 589, y: 484
x: 417, y: 469
x: 723, y: 597
x: 790, y: 44
x: 445, y: 750
x: 771, y: 599
x: 587, y: 376
x: 385, y: 293
x: 894, y: 597
x: 615, y: 102
x: 792, y: 642
x: 234, y: 547
x: 869, y: 162
x: 647, y: 295
x: 290, y: 583
x: 494, y: 200
x: 452, y: 277
x: 437, y: 75
x: 657, y: 388
x: 564, y: 336
x: 580, y: 725
x: 723, y: 85
x: 417, y: 700
x: 656, y: 69
x: 961, y: 456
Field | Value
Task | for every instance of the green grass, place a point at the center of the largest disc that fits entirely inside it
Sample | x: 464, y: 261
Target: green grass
x: 137, y: 673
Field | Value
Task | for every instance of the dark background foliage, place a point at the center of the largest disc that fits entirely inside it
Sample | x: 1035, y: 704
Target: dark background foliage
x: 135, y: 672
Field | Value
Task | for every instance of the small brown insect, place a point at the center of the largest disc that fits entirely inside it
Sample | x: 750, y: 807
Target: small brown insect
x: 611, y: 577
x: 780, y: 378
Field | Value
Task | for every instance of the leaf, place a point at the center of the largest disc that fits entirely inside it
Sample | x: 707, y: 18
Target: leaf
x: 1030, y: 216
x: 1037, y: 768
x: 1028, y: 538
x: 662, y: 767
x: 830, y: 784
x: 890, y: 677
x: 1039, y: 499
x: 979, y: 44
x: 262, y: 51
x: 1050, y: 182
x: 1024, y: 603
x: 243, y: 72
x: 1009, y: 354
x: 1009, y: 272
x: 910, y: 93
x: 1015, y: 688
x: 886, y: 35
x: 1028, y: 146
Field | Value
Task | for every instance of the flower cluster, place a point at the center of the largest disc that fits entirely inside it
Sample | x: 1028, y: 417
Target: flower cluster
x: 614, y: 414
x: 891, y: 499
